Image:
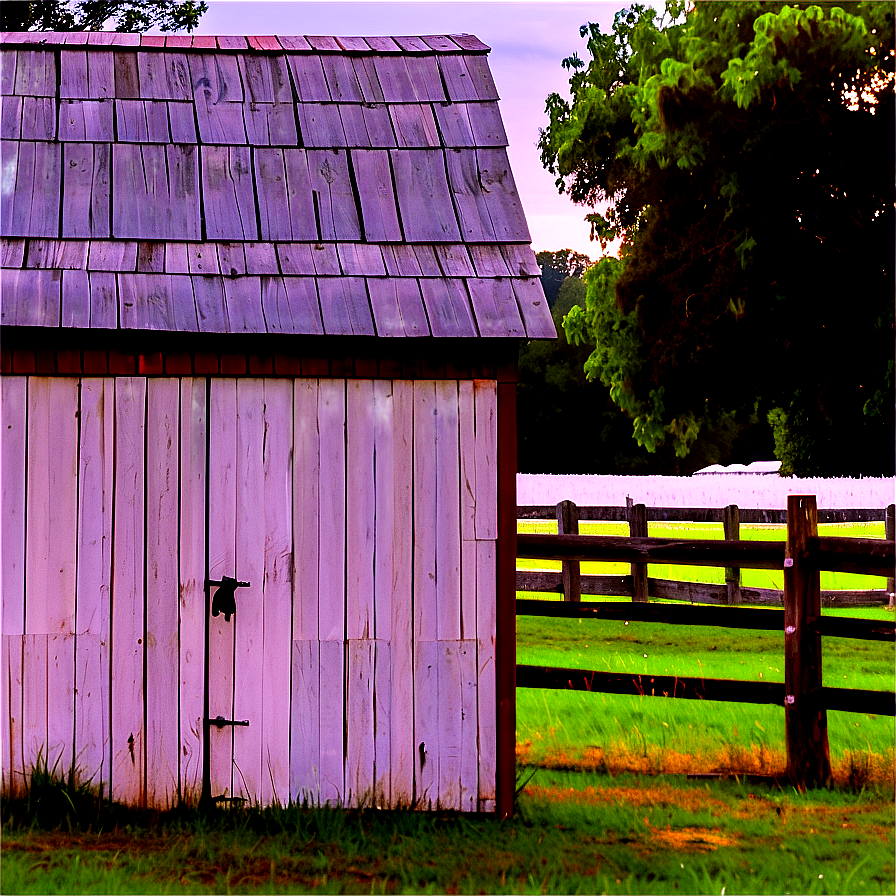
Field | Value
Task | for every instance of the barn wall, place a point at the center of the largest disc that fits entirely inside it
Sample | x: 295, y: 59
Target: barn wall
x: 362, y: 512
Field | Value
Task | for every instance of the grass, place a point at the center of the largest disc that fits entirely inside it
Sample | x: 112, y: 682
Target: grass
x: 574, y: 832
x: 559, y: 729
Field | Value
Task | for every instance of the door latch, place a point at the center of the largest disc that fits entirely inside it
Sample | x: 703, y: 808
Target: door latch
x: 224, y: 600
x: 221, y: 722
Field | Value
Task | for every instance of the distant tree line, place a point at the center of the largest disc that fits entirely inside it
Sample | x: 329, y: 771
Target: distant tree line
x: 568, y: 424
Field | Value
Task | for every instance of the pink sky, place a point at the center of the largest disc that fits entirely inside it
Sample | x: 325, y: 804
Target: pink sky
x: 528, y: 41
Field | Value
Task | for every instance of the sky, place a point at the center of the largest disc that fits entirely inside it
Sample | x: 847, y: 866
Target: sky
x: 528, y: 42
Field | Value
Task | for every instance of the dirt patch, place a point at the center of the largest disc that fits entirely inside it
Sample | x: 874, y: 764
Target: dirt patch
x: 692, y: 839
x: 691, y: 799
x: 57, y: 841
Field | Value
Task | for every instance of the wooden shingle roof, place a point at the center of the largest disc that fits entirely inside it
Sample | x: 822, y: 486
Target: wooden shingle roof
x: 305, y: 185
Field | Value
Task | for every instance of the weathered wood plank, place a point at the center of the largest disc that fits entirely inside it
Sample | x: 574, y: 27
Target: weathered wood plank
x: 243, y: 298
x: 13, y: 434
x: 335, y: 199
x: 454, y: 260
x: 486, y: 690
x: 474, y: 207
x: 521, y: 260
x: 480, y: 77
x: 486, y: 454
x: 38, y: 120
x: 100, y: 75
x: 505, y: 207
x: 448, y: 308
x: 489, y: 261
x: 424, y: 199
x: 35, y: 73
x: 397, y: 307
x: 278, y: 587
x: 456, y: 76
x: 304, y: 306
x: 248, y: 624
x: 378, y: 124
x: 450, y: 724
x: 162, y: 590
x: 60, y: 751
x: 360, y: 513
x: 321, y: 125
x: 211, y: 307
x: 454, y: 124
x: 31, y: 208
x: 345, y: 306
x: 306, y: 511
x: 52, y: 500
x: 222, y: 559
x: 283, y: 185
x: 486, y: 124
x: 426, y: 723
x: 11, y: 662
x: 447, y: 564
x: 469, y: 728
x: 193, y: 602
x: 534, y: 307
x: 495, y: 308
x: 332, y: 518
x: 414, y: 125
x: 398, y: 608
x: 379, y: 214
x: 361, y: 260
x: 228, y: 193
x: 96, y: 452
x: 382, y: 724
x: 34, y: 701
x: 12, y: 253
x: 304, y: 719
x: 31, y: 298
x: 156, y: 194
x: 128, y: 587
x: 425, y: 79
x: 359, y: 708
x: 271, y: 124
x: 332, y: 722
x: 394, y: 80
x: 308, y: 76
x: 341, y: 78
x: 426, y: 513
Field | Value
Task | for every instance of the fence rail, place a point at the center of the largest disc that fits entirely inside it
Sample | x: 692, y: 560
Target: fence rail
x: 639, y: 552
x: 802, y: 557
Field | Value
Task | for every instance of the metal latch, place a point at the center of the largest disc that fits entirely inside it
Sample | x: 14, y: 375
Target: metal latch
x: 224, y: 600
x: 221, y: 722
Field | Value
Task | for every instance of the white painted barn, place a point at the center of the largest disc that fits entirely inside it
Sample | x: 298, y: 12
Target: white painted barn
x: 261, y: 304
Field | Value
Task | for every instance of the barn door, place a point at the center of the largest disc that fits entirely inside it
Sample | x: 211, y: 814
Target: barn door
x: 250, y: 539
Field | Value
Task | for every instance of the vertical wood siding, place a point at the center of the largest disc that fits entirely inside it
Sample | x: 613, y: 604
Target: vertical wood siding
x: 362, y: 513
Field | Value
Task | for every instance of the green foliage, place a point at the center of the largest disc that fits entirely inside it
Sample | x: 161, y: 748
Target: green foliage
x: 92, y: 15
x: 744, y: 151
x: 556, y: 267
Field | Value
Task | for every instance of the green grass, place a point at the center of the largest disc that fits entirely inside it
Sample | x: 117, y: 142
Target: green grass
x: 573, y: 833
x: 650, y: 734
x: 751, y: 578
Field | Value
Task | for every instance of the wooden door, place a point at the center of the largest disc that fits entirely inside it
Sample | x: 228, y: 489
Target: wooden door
x: 250, y: 538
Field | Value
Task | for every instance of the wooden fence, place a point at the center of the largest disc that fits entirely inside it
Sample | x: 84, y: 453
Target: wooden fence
x: 802, y: 556
x: 572, y: 584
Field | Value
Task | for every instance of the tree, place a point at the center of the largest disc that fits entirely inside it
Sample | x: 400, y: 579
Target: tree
x: 555, y: 436
x: 92, y: 15
x: 556, y: 267
x: 745, y: 150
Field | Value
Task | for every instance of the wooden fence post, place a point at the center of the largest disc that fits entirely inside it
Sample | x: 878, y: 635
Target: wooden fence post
x: 890, y: 535
x: 637, y: 528
x: 568, y: 524
x: 806, y: 722
x: 731, y: 525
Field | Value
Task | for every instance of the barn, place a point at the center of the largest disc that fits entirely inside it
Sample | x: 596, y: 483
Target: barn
x: 261, y: 305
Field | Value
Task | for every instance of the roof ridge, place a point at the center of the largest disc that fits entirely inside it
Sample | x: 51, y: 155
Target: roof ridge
x: 427, y: 44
